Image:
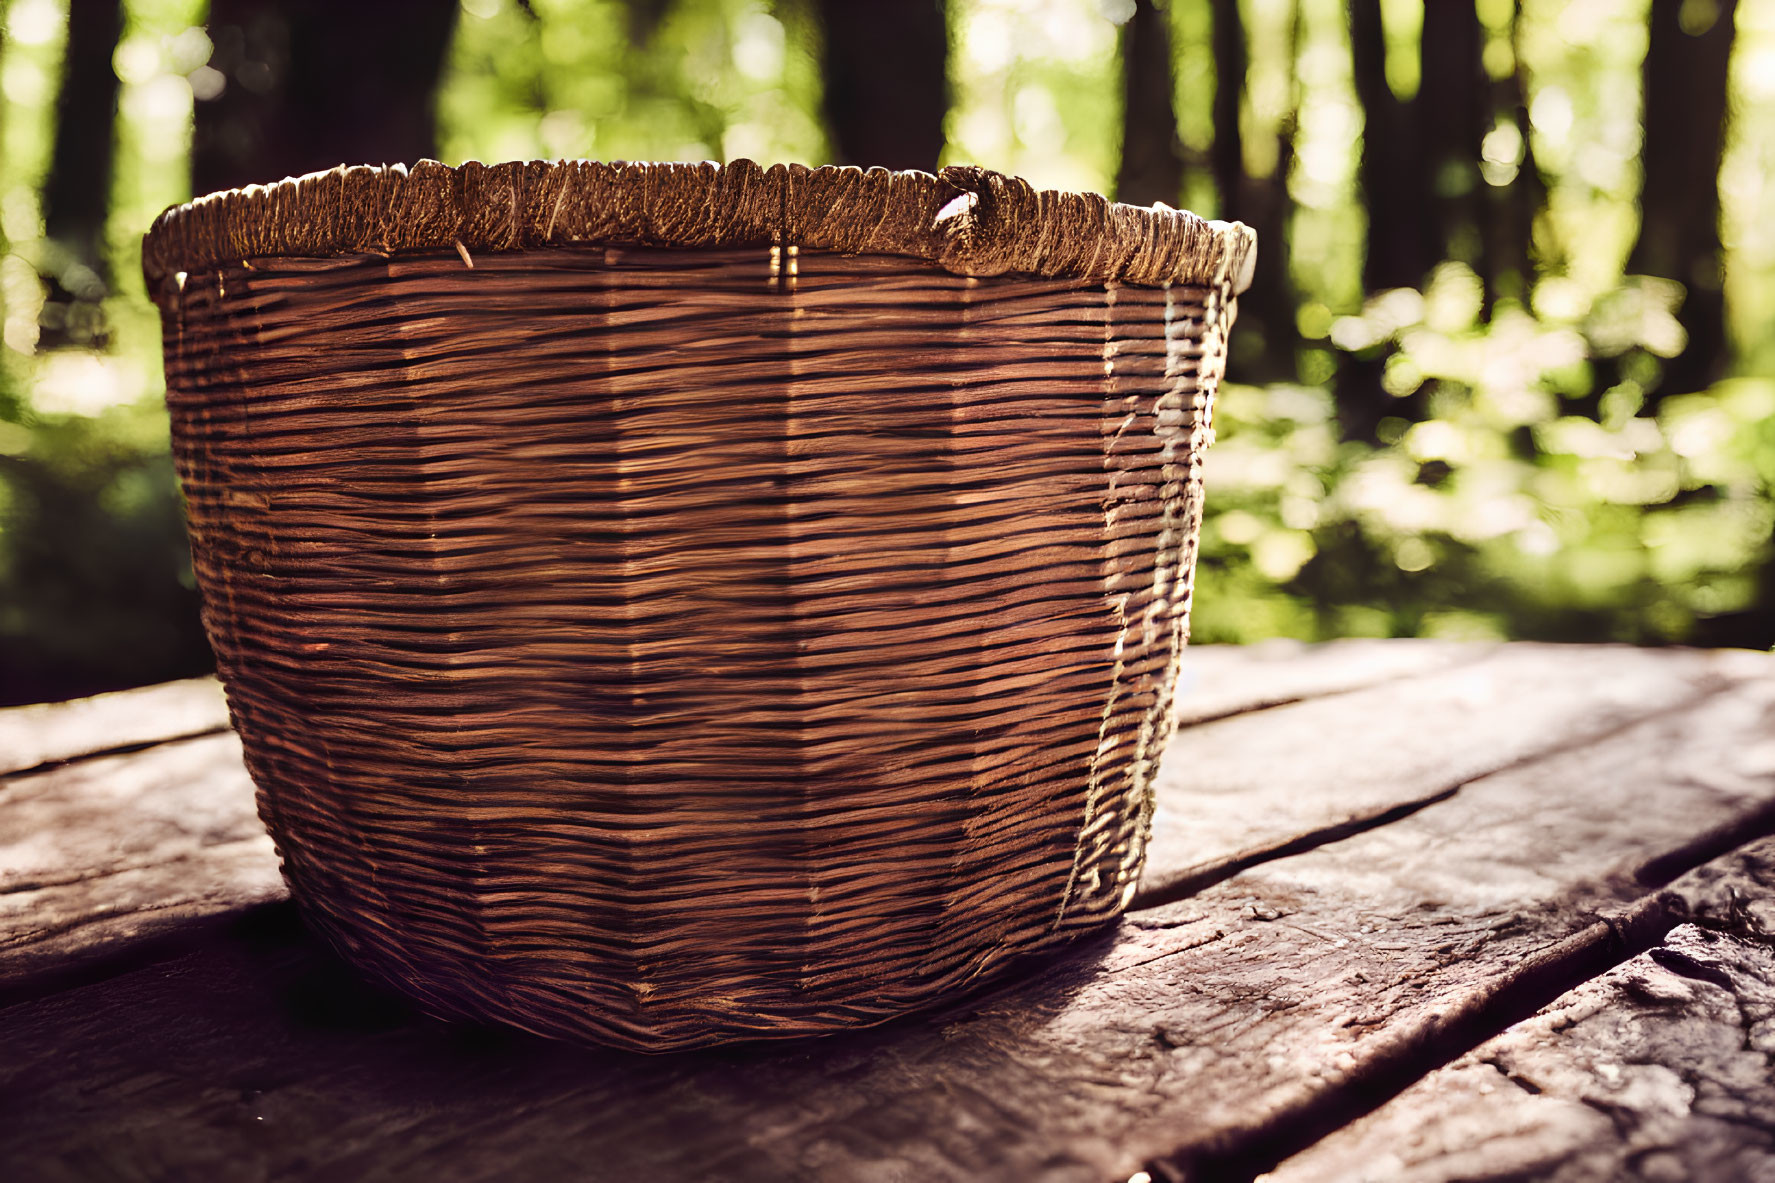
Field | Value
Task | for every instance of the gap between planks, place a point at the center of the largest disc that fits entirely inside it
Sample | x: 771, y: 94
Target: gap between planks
x: 51, y: 735
x: 1169, y: 887
x: 121, y: 749
x: 1661, y: 1068
x: 1439, y: 1038
x: 1415, y: 1051
x: 1229, y: 797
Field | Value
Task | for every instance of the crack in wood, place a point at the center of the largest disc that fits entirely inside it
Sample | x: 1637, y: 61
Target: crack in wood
x: 1400, y: 1060
x: 1336, y: 690
x: 1420, y: 1048
x: 1650, y: 1071
x: 24, y: 886
x: 1218, y: 934
x: 1178, y: 885
x: 122, y: 749
x: 1721, y: 840
x: 1689, y: 967
x: 1170, y: 887
x: 1219, y: 682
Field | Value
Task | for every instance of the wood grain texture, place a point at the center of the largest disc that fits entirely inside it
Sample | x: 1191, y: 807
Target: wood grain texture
x: 1230, y: 795
x: 93, y: 858
x: 1209, y: 1038
x: 968, y: 220
x: 100, y: 855
x: 55, y: 732
x: 1218, y: 681
x: 1475, y: 911
x: 1663, y: 1068
x: 97, y: 858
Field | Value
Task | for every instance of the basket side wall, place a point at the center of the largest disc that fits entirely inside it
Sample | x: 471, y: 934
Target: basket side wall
x: 662, y: 647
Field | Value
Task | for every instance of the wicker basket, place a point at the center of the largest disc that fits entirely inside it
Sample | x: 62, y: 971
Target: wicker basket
x: 671, y: 604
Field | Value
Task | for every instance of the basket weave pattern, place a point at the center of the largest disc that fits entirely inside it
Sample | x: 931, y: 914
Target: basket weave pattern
x: 664, y: 646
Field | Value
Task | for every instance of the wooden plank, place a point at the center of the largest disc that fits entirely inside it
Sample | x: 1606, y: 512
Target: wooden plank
x: 1197, y: 1036
x: 1661, y: 1068
x: 82, y: 846
x: 125, y: 720
x: 98, y: 855
x: 1219, y: 681
x: 79, y: 846
x: 1451, y: 923
x: 1231, y: 795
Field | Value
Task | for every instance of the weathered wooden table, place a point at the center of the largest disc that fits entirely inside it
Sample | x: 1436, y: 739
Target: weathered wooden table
x: 1413, y: 911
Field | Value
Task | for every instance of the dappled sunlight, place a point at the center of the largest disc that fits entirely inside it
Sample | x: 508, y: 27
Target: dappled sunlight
x: 712, y: 80
x: 1035, y: 89
x: 1507, y: 439
x: 82, y: 383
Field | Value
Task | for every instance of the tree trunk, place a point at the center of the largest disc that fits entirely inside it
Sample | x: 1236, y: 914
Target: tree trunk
x: 1685, y: 75
x: 1517, y: 206
x: 1265, y: 348
x: 5, y: 248
x: 645, y: 18
x: 1452, y: 114
x: 1389, y: 180
x: 311, y: 86
x: 11, y: 407
x: 1152, y: 163
x: 77, y: 192
x: 1227, y: 156
x: 1390, y: 183
x: 886, y: 76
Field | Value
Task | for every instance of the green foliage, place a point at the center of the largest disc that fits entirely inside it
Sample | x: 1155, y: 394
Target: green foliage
x: 711, y: 80
x: 95, y: 585
x: 1523, y: 489
x: 95, y: 582
x: 1507, y: 511
x: 1535, y: 480
x: 1036, y: 89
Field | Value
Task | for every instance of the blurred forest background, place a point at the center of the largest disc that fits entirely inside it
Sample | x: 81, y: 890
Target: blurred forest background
x: 1507, y: 369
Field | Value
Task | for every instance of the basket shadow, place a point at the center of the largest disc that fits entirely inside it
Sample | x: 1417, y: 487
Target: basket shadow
x: 262, y: 1054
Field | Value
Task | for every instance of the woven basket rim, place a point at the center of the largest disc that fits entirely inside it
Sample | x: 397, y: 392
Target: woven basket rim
x: 969, y: 220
